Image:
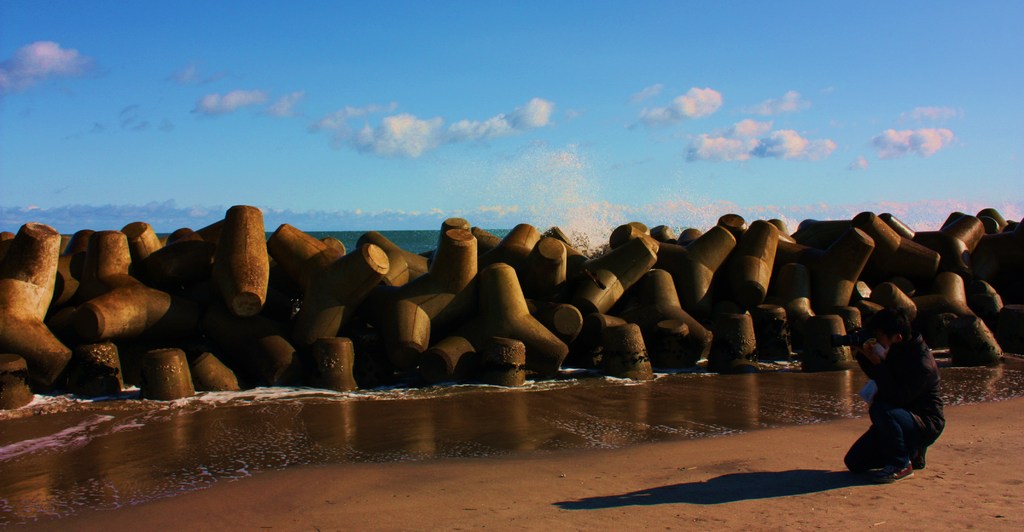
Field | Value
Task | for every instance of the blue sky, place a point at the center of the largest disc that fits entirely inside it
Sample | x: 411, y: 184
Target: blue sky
x: 340, y: 115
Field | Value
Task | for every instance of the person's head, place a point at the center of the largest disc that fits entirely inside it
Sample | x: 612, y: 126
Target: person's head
x: 890, y: 326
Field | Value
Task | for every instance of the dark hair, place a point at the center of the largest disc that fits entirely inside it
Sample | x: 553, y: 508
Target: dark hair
x: 891, y: 321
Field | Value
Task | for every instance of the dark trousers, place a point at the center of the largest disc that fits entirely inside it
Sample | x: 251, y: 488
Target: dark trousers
x: 891, y: 440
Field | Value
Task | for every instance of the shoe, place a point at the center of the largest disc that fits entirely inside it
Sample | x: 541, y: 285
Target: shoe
x: 918, y: 459
x: 890, y: 474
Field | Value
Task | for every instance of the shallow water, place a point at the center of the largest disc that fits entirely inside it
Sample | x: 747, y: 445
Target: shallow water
x: 61, y: 454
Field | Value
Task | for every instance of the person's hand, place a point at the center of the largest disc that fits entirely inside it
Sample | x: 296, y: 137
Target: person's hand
x: 869, y: 351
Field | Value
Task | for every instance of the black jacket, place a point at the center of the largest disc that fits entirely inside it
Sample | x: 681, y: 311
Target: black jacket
x: 909, y: 378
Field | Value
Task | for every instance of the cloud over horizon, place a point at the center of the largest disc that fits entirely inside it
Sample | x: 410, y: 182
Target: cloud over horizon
x: 646, y: 93
x: 406, y: 135
x: 931, y: 114
x: 696, y: 103
x: 750, y: 138
x: 285, y: 106
x: 925, y: 142
x: 36, y: 62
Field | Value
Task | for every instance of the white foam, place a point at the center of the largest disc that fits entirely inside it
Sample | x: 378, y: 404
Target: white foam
x: 71, y: 437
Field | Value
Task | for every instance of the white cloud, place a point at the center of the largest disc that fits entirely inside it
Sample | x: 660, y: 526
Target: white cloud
x: 216, y: 104
x: 696, y: 103
x: 406, y: 135
x: 788, y: 144
x: 189, y: 75
x: 860, y: 163
x: 750, y: 138
x: 931, y: 114
x: 38, y: 61
x: 285, y: 105
x: 400, y: 135
x: 647, y: 92
x: 892, y: 144
x: 789, y: 103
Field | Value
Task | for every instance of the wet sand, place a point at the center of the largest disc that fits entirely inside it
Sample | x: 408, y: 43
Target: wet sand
x: 73, y: 458
x: 784, y: 478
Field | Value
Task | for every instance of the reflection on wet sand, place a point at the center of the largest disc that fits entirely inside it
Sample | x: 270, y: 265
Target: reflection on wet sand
x: 116, y: 453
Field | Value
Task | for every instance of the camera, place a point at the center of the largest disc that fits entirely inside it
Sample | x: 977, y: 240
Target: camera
x: 856, y: 337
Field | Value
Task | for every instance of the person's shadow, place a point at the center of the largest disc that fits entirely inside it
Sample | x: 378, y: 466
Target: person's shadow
x: 726, y: 488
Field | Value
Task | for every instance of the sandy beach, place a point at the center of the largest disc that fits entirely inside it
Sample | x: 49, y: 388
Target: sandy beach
x: 784, y: 478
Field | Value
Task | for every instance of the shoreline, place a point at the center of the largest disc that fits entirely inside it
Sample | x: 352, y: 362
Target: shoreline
x: 789, y: 477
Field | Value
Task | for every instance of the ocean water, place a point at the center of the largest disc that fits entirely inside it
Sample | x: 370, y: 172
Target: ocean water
x: 62, y: 454
x: 412, y: 241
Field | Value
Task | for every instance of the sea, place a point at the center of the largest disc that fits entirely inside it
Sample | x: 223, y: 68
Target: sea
x: 63, y: 454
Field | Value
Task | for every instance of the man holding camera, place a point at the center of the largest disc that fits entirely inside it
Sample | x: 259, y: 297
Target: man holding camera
x: 906, y: 411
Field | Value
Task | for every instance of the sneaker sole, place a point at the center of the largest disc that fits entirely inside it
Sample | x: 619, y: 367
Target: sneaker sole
x: 890, y: 480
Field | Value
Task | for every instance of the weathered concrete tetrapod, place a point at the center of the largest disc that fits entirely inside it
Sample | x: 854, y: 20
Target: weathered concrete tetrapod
x: 654, y: 300
x: 117, y: 306
x: 180, y: 263
x: 299, y: 255
x: 819, y: 354
x: 984, y: 301
x: 454, y: 358
x: 954, y: 243
x: 688, y: 235
x: 820, y: 234
x: 897, y: 225
x: 563, y: 319
x: 837, y: 270
x: 664, y: 233
x: 485, y: 240
x: 14, y: 389
x: 947, y: 295
x: 209, y: 374
x: 734, y: 223
x: 587, y: 349
x: 514, y: 249
x: 255, y: 345
x: 545, y: 270
x: 893, y: 254
x: 27, y: 277
x: 69, y: 268
x: 241, y: 266
x: 503, y: 362
x: 431, y: 304
x: 771, y: 330
x: 504, y: 313
x: 626, y: 232
x: 850, y: 315
x: 142, y: 242
x: 889, y: 295
x: 165, y: 375
x: 95, y: 370
x: 404, y: 265
x: 999, y: 259
x: 971, y: 343
x: 734, y: 347
x: 1010, y: 329
x: 793, y: 286
x: 750, y: 267
x: 995, y: 216
x: 333, y: 361
x: 625, y: 354
x: 670, y: 348
x: 335, y: 291
x: 611, y: 275
x: 693, y: 267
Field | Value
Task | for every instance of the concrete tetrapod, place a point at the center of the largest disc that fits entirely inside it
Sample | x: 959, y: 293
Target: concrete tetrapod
x: 27, y: 277
x: 436, y: 301
x: 333, y: 361
x: 563, y: 319
x: 514, y: 249
x: 750, y: 267
x: 586, y: 351
x: 611, y: 275
x: 819, y: 353
x: 14, y: 389
x: 888, y: 295
x: 69, y: 268
x: 300, y: 255
x: 334, y: 293
x: 996, y: 217
x: 545, y: 273
x: 793, y: 287
x: 454, y: 358
x: 654, y: 301
x: 820, y: 234
x: 693, y: 267
x: 165, y: 375
x: 142, y: 242
x: 670, y: 348
x: 625, y: 354
x: 95, y: 370
x: 504, y: 313
x: 999, y: 259
x: 771, y: 330
x: 971, y: 343
x: 404, y: 265
x: 255, y: 345
x: 734, y: 348
x: 181, y: 262
x: 209, y: 374
x: 897, y: 225
x: 947, y: 296
x: 119, y: 307
x: 835, y: 272
x: 1010, y: 329
x: 624, y: 233
x: 241, y: 266
x: 503, y: 362
x: 954, y: 243
x: 984, y: 301
x: 733, y: 223
x: 895, y: 255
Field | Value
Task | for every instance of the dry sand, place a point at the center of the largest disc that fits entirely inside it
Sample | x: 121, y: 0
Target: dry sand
x: 787, y: 478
